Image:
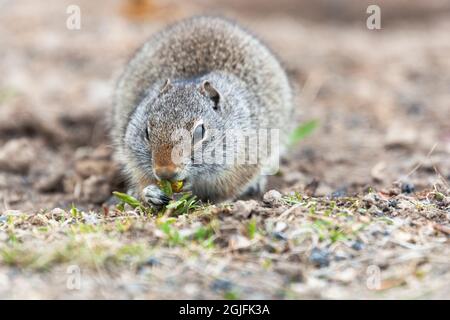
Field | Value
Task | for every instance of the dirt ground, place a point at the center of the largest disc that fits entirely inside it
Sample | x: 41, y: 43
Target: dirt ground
x: 360, y: 208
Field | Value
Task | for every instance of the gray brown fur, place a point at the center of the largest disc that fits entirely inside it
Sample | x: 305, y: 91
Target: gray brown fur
x: 254, y: 93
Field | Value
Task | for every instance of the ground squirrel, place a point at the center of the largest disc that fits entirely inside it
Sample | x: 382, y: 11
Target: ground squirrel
x: 203, y: 76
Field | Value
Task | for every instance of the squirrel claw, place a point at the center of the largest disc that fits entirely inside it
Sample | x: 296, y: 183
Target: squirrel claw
x: 155, y: 196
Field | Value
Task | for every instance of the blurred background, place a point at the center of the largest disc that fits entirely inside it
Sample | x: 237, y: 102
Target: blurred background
x: 380, y: 97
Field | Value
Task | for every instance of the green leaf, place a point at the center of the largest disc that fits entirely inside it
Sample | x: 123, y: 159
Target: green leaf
x: 74, y: 212
x: 177, y: 203
x: 166, y: 187
x: 184, y: 204
x: 132, y: 201
x: 302, y: 131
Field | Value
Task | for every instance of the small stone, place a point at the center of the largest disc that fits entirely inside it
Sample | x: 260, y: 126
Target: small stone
x: 280, y: 226
x: 407, y: 187
x: 90, y: 218
x: 59, y: 214
x: 340, y: 257
x: 371, y: 198
x: 17, y: 156
x: 237, y: 242
x: 292, y: 271
x: 342, y: 192
x: 152, y: 262
x: 221, y: 285
x: 375, y: 211
x: 39, y: 220
x: 357, y: 245
x: 272, y: 197
x: 320, y: 257
x: 191, y: 289
x: 244, y: 208
x: 393, y: 203
x: 279, y: 235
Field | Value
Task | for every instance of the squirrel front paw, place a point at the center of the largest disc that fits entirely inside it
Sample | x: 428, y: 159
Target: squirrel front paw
x: 154, y: 196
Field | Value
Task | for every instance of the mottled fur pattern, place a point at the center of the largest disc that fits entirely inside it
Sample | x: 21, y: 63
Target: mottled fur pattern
x: 254, y: 93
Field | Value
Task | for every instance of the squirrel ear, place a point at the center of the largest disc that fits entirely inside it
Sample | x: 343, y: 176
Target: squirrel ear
x: 208, y: 89
x: 167, y: 85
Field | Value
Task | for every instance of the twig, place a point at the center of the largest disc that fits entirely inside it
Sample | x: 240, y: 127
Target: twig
x: 418, y: 165
x: 288, y: 211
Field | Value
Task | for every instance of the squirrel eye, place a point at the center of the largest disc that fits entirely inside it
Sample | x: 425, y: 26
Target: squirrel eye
x: 147, y: 136
x: 199, y: 133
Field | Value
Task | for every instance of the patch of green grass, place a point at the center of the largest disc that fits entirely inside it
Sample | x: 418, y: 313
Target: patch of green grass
x: 84, y: 228
x: 203, y: 233
x: 184, y: 205
x: 132, y: 252
x: 173, y: 235
x: 122, y: 225
x: 332, y: 220
x: 88, y: 252
x: 16, y: 256
x: 302, y: 131
x: 312, y: 205
x: 251, y: 228
x: 231, y: 295
x: 331, y: 231
x: 293, y: 198
x: 205, y: 236
x: 337, y: 235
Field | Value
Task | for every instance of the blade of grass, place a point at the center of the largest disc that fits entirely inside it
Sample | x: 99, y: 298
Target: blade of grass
x: 302, y: 131
x: 132, y: 201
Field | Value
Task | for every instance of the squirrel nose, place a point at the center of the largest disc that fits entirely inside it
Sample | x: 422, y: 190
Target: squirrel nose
x: 166, y: 172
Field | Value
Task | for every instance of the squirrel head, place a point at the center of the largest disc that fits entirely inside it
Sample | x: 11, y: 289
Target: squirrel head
x: 177, y: 120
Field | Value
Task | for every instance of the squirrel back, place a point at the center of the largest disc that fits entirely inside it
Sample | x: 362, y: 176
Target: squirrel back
x: 197, y: 46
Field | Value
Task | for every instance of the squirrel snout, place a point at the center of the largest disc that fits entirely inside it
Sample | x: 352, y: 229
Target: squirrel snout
x: 165, y: 172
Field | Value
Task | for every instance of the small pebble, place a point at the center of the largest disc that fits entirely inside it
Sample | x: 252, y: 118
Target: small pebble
x: 339, y: 193
x: 245, y: 208
x: 279, y: 235
x: 221, y: 285
x: 407, y: 187
x: 371, y: 198
x: 357, y: 245
x: 340, y: 257
x: 272, y: 197
x: 152, y: 262
x: 320, y: 257
x: 393, y: 203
